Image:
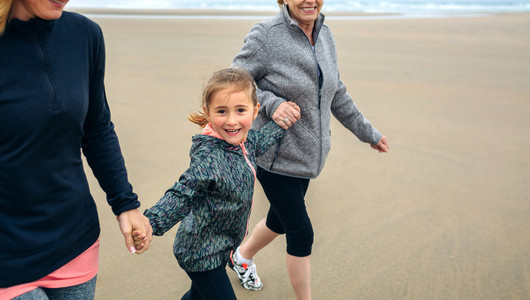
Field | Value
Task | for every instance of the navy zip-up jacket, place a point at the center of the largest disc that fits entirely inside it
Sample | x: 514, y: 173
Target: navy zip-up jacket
x: 52, y: 107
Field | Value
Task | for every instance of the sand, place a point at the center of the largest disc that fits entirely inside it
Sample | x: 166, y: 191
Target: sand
x: 443, y: 215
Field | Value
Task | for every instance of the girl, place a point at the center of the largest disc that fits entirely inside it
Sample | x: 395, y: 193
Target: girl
x: 213, y: 198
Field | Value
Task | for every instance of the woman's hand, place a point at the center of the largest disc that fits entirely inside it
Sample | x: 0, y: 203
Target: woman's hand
x: 382, y: 145
x: 133, y: 220
x: 286, y: 114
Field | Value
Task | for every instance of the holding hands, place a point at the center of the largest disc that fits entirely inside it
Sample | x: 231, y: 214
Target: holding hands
x: 136, y: 230
x: 286, y: 114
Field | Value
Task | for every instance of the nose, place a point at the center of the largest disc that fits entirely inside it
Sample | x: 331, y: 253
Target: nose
x: 231, y: 119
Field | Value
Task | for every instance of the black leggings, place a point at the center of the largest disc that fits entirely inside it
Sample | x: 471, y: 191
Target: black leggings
x: 210, y: 285
x: 287, y: 213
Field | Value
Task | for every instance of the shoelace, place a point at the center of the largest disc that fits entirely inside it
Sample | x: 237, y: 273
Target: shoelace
x: 249, y: 274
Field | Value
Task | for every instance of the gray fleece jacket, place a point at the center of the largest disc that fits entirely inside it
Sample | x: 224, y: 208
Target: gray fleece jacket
x: 280, y: 58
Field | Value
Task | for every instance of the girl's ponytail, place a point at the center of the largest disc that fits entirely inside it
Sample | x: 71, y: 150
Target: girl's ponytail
x: 198, y: 118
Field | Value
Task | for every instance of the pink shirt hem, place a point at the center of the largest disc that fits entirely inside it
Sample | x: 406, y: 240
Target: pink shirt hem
x: 79, y: 270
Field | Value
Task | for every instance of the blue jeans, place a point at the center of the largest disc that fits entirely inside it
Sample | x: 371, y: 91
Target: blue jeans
x: 83, y: 291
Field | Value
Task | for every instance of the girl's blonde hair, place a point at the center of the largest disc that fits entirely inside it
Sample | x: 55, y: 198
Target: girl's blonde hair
x: 236, y: 79
x: 5, y: 11
x: 280, y: 3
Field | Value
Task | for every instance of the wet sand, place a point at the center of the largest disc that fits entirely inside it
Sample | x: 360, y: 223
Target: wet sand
x: 443, y: 215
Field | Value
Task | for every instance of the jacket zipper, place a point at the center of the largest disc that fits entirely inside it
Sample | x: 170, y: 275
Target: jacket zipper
x: 245, y: 155
x: 55, y: 104
x: 320, y: 81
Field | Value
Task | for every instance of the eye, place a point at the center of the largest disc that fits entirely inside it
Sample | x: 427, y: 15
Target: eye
x: 241, y: 110
x: 221, y: 111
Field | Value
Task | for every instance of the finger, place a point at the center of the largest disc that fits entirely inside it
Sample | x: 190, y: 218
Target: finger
x: 383, y: 144
x: 143, y: 247
x: 129, y: 242
x: 149, y: 236
x: 281, y: 123
x: 294, y: 105
x: 292, y: 119
x: 287, y: 121
x: 296, y: 115
x: 149, y: 229
x: 139, y: 237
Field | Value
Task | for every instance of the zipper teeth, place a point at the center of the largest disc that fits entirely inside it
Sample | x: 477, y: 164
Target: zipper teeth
x: 254, y: 173
x: 313, y: 51
x: 55, y: 105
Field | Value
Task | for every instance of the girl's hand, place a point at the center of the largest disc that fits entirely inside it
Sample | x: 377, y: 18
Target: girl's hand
x: 139, y: 238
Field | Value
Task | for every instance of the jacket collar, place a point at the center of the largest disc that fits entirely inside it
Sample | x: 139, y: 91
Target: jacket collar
x: 210, y: 138
x: 35, y: 25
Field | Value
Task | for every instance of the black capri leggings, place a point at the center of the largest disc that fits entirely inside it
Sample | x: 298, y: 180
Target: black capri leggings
x: 287, y: 213
x: 211, y: 285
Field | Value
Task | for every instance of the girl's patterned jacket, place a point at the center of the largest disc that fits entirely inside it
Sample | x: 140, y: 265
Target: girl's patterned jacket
x: 213, y: 199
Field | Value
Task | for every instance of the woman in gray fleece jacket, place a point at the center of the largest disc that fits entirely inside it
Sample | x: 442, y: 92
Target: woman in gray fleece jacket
x: 292, y: 57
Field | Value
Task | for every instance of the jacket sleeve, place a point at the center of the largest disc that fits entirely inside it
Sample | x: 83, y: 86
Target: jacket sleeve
x: 254, y: 58
x: 178, y: 201
x: 171, y: 208
x: 99, y: 142
x: 267, y: 136
x: 345, y: 110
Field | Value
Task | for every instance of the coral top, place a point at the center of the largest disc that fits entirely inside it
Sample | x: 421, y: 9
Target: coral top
x: 80, y: 270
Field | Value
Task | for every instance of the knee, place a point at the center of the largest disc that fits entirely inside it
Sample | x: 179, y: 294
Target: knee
x: 300, y: 242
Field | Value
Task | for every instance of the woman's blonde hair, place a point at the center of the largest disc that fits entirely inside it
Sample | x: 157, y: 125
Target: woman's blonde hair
x: 5, y: 11
x: 280, y: 3
x: 236, y: 79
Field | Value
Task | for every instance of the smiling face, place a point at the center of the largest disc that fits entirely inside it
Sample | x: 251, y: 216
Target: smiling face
x: 44, y: 9
x: 231, y: 114
x: 305, y: 12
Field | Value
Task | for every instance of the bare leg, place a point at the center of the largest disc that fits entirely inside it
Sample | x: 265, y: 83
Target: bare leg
x: 299, y: 270
x: 260, y: 237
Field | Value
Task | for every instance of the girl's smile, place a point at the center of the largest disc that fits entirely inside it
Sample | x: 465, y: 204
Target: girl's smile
x: 231, y: 114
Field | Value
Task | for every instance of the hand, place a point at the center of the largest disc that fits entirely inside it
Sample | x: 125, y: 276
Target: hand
x: 286, y: 114
x: 139, y: 238
x: 133, y: 220
x: 382, y: 145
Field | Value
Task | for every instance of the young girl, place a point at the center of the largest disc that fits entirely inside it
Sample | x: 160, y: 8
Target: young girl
x: 213, y: 198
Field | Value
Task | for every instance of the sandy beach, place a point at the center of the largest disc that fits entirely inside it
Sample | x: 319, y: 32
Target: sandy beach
x: 444, y: 215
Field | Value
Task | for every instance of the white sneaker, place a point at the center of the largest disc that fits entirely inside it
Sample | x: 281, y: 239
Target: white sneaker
x: 247, y: 273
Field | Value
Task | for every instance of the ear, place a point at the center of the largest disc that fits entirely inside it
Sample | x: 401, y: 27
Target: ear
x: 206, y: 112
x: 256, y: 110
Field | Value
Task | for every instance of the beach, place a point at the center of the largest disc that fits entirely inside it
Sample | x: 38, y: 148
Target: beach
x: 443, y: 215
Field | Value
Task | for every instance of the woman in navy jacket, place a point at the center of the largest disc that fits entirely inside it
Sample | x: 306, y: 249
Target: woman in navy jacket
x: 52, y: 108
